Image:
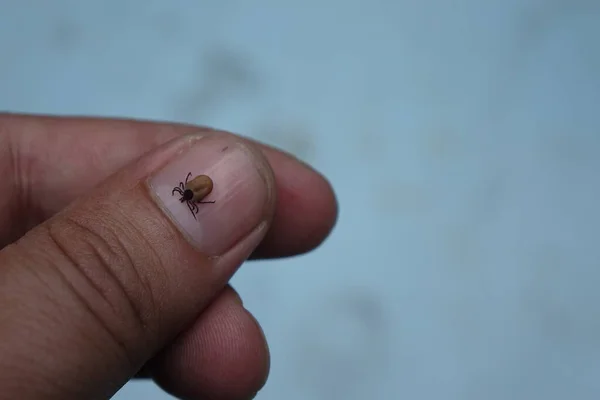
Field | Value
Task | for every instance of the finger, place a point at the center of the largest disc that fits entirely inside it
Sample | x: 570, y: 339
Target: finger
x: 223, y: 356
x: 138, y: 137
x: 54, y: 160
x: 93, y: 293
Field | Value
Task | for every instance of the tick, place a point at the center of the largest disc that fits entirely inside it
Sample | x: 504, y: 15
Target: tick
x: 192, y: 192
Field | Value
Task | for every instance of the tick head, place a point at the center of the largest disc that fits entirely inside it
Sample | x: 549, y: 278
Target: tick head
x: 187, y: 195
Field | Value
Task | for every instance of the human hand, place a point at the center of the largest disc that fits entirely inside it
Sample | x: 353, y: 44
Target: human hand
x: 105, y: 273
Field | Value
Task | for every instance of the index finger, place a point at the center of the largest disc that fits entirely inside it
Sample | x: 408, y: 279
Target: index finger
x: 49, y: 161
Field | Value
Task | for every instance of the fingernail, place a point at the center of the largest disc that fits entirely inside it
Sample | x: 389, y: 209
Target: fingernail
x: 241, y: 192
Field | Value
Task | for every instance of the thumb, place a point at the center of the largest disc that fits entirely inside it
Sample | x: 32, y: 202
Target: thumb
x: 92, y: 294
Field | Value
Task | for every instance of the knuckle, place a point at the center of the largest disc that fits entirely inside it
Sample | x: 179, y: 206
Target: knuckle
x: 100, y: 264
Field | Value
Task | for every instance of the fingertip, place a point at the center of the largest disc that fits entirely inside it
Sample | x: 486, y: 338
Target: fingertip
x: 223, y: 356
x: 307, y: 208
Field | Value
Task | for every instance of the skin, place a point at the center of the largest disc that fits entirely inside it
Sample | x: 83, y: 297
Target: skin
x: 49, y: 162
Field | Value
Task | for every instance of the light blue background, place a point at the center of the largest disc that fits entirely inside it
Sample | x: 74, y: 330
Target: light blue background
x: 462, y: 138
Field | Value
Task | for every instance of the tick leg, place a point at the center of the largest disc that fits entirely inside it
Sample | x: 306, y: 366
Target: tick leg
x: 182, y: 191
x: 190, y: 206
x: 178, y: 190
x: 206, y: 202
x: 187, y: 178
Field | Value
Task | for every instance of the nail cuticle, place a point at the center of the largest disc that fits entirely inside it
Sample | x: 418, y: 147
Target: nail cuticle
x: 257, y: 231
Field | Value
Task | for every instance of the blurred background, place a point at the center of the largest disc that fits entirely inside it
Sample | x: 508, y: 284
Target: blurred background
x: 462, y: 138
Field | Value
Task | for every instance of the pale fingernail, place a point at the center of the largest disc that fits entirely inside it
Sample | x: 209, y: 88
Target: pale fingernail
x: 241, y: 192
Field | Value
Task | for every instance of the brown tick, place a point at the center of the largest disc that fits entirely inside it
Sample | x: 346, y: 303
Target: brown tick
x: 192, y: 192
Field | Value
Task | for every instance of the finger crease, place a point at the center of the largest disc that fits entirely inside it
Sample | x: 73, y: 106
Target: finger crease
x: 136, y: 309
x: 82, y: 299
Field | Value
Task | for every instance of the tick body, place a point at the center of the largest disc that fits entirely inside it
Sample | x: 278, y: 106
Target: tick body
x: 193, y: 192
